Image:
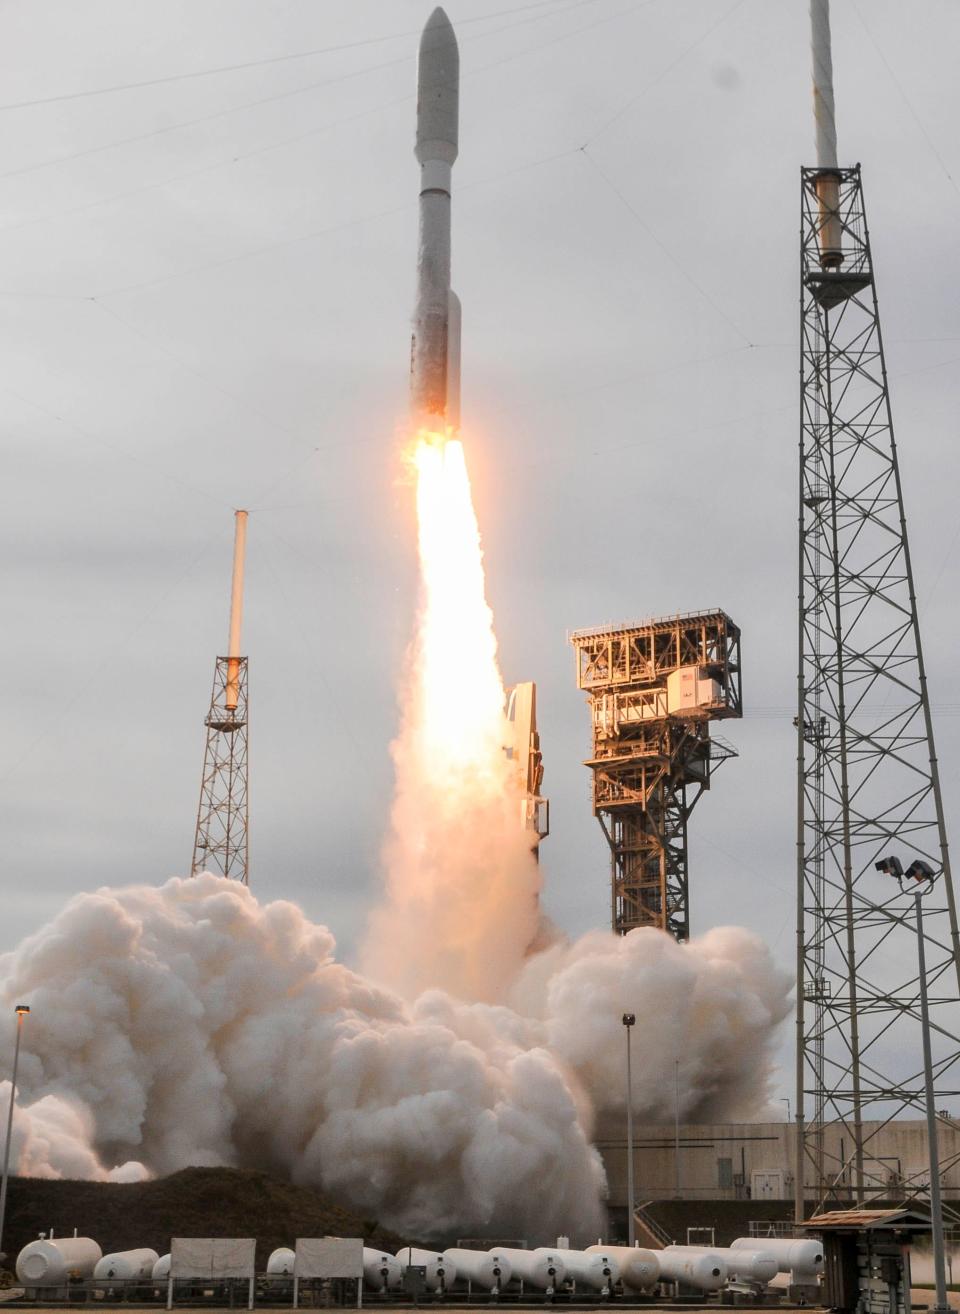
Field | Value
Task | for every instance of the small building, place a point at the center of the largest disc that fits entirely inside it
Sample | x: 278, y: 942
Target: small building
x: 756, y: 1161
x: 867, y: 1257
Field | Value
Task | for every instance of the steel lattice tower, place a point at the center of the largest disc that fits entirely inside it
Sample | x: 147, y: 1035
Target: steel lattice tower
x: 653, y: 690
x: 867, y: 771
x: 221, y: 841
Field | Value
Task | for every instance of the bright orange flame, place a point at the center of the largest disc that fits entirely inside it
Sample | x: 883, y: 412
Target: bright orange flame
x: 460, y: 719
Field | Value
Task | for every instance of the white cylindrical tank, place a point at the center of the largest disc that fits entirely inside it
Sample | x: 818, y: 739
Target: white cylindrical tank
x: 542, y: 1268
x: 125, y: 1265
x: 281, y: 1261
x: 756, y: 1266
x: 161, y: 1269
x: 639, y: 1268
x: 594, y: 1268
x: 440, y: 1275
x: 53, y: 1263
x: 704, y: 1270
x: 745, y: 1265
x: 488, y: 1269
x: 381, y: 1270
x: 793, y: 1256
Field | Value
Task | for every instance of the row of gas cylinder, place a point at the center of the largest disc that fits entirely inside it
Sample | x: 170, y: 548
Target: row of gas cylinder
x: 749, y: 1261
x: 56, y: 1262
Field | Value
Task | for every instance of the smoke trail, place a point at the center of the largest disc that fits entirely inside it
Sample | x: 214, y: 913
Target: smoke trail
x: 191, y: 1024
x: 461, y: 883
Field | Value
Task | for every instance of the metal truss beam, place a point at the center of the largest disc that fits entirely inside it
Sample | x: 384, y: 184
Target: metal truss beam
x: 221, y: 840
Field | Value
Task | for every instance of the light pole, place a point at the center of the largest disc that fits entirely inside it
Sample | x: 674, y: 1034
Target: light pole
x: 21, y: 1011
x: 786, y: 1100
x: 924, y: 876
x: 676, y: 1119
x: 628, y: 1021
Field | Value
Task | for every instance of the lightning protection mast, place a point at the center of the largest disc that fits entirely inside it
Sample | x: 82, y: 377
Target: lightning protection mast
x: 220, y: 844
x: 866, y: 766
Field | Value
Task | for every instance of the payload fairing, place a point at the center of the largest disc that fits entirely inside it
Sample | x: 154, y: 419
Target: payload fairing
x: 435, y: 348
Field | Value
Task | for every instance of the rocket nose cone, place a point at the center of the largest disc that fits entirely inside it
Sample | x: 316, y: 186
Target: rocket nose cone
x: 438, y: 90
x: 438, y: 30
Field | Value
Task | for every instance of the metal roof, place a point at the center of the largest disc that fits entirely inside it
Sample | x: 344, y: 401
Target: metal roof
x: 651, y: 623
x: 860, y: 1219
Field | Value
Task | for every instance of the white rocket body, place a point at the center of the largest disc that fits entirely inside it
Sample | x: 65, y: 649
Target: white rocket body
x: 542, y: 1268
x: 639, y: 1268
x: 381, y: 1270
x: 435, y: 347
x: 440, y: 1276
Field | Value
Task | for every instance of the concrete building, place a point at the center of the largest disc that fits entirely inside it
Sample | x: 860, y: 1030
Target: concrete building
x: 756, y: 1161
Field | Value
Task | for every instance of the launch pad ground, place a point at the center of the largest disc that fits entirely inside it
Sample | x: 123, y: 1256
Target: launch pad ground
x: 693, y: 1306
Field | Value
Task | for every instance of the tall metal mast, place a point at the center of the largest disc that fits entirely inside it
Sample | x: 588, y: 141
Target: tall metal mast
x: 866, y: 765
x: 220, y: 844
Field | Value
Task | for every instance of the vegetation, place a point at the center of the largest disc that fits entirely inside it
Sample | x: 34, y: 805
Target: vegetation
x: 193, y: 1202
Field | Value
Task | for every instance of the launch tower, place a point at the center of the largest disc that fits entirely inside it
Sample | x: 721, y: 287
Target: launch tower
x: 868, y: 784
x: 220, y: 843
x: 653, y: 690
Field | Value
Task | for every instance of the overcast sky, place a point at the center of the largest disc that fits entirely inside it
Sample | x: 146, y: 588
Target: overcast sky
x: 205, y: 292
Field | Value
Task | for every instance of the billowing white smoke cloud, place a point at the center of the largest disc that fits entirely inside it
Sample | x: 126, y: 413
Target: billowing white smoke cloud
x: 53, y: 1138
x: 189, y: 1024
x: 712, y: 1004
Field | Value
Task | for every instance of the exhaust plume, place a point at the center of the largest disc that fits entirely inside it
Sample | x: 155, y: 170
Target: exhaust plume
x: 190, y: 1024
x: 462, y: 885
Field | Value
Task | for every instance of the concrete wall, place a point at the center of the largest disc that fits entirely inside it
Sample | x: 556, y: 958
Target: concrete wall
x: 740, y: 1161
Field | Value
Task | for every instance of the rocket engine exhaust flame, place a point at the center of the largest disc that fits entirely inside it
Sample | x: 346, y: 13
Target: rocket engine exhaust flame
x: 462, y: 883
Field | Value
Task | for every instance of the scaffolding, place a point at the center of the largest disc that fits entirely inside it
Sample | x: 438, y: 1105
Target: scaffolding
x: 867, y: 774
x: 653, y: 689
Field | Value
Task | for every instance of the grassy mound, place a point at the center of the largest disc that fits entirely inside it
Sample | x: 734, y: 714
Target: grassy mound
x: 193, y: 1202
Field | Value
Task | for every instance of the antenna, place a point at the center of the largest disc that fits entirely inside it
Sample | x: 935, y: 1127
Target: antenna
x: 236, y: 610
x: 221, y: 840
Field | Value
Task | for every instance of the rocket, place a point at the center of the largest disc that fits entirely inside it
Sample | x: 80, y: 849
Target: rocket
x: 435, y: 347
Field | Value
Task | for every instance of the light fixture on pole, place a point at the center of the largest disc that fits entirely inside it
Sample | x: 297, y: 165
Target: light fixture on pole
x: 629, y: 1020
x: 924, y: 877
x: 21, y: 1011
